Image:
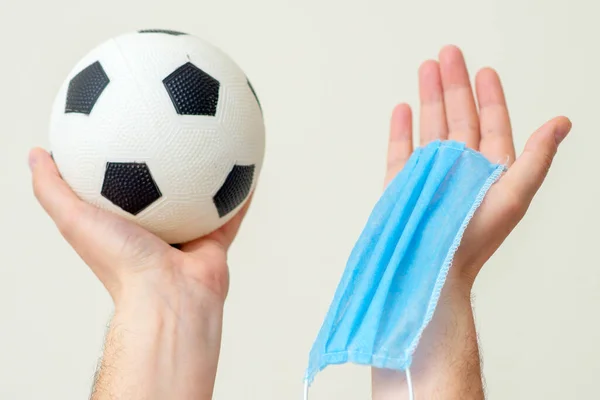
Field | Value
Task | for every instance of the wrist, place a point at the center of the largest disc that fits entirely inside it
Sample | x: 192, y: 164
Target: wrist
x: 164, y: 342
x: 166, y: 293
x: 446, y: 362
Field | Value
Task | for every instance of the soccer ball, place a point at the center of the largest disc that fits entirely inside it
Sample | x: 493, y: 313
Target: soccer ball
x: 161, y: 128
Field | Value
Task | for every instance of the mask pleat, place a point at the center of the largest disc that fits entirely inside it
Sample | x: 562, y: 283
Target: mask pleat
x: 388, y: 220
x: 393, y: 300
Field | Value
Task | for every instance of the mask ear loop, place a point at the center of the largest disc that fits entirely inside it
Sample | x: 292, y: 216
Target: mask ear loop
x: 411, y: 394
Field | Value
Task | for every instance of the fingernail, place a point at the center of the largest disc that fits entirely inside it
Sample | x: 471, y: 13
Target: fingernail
x: 561, y: 132
x: 32, y: 160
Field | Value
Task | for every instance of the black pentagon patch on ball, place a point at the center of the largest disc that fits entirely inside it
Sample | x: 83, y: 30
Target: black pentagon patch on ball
x: 165, y: 31
x: 129, y: 186
x: 85, y: 89
x: 192, y: 91
x: 254, y: 93
x: 235, y: 189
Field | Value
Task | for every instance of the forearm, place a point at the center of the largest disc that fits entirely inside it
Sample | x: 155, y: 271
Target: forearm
x: 446, y: 365
x: 161, y: 347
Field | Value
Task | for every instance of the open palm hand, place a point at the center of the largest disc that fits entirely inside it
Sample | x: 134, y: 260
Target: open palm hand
x: 449, y: 111
x: 446, y: 364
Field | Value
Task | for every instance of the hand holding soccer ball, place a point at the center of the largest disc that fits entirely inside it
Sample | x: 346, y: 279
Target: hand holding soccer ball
x: 139, y: 163
x: 157, y: 137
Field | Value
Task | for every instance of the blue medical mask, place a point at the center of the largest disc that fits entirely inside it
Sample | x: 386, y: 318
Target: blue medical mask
x: 392, y: 282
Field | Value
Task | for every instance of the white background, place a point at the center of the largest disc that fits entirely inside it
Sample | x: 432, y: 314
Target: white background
x: 328, y: 74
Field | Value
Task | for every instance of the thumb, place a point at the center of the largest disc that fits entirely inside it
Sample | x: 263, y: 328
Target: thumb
x: 527, y: 174
x: 52, y: 192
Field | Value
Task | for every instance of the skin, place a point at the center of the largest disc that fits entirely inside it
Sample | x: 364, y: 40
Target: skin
x: 164, y: 339
x: 447, y: 363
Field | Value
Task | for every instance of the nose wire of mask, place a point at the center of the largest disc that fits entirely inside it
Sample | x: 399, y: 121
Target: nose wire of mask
x: 394, y: 276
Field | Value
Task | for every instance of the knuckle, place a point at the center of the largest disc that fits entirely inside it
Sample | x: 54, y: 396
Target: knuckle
x: 217, y: 280
x: 545, y: 162
x: 68, y: 222
x: 540, y: 163
x: 467, y: 125
x: 543, y: 154
x: 395, y: 163
x: 514, y: 205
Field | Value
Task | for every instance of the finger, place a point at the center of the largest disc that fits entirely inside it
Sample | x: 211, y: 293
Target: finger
x: 461, y: 113
x: 433, y: 117
x: 55, y: 196
x: 496, y: 133
x: 400, y: 145
x: 528, y: 172
x: 231, y: 228
x: 223, y: 237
